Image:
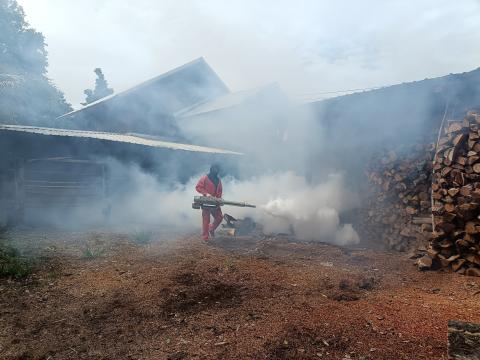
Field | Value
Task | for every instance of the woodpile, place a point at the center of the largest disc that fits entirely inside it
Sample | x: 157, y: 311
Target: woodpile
x: 455, y: 240
x: 398, y: 212
x: 463, y: 340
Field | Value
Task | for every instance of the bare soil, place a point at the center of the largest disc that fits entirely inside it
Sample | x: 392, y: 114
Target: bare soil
x: 245, y: 298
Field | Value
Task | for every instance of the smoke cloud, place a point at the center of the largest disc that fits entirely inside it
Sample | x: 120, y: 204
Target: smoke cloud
x: 294, y: 164
x: 286, y: 203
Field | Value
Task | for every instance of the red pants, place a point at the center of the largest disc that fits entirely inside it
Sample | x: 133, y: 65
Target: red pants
x: 217, y: 219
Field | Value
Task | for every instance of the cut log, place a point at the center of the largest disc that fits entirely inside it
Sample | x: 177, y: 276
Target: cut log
x: 425, y: 262
x: 411, y: 210
x: 456, y: 197
x: 471, y: 206
x: 456, y: 265
x: 449, y: 155
x: 462, y: 243
x: 475, y: 194
x: 459, y: 139
x: 473, y: 272
x: 449, y: 207
x: 472, y: 159
x: 454, y: 127
x: 449, y: 217
x: 459, y: 178
x: 471, y: 228
x: 463, y: 340
x: 461, y: 160
x: 466, y: 190
x: 422, y: 220
x: 473, y: 258
x: 453, y: 191
x: 443, y: 140
x: 445, y: 171
x: 445, y: 244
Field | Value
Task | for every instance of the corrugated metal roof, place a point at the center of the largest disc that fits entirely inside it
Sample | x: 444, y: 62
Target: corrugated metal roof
x: 143, y: 84
x: 10, y: 81
x: 124, y: 138
x: 227, y: 101
x: 223, y: 102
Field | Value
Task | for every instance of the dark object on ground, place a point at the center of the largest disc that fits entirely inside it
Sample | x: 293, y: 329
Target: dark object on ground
x: 238, y: 227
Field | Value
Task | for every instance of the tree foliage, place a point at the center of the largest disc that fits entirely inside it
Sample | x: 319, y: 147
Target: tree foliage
x: 27, y: 96
x: 101, y: 88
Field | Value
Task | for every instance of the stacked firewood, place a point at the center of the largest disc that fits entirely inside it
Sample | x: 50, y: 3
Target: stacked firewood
x: 398, y: 212
x: 456, y: 199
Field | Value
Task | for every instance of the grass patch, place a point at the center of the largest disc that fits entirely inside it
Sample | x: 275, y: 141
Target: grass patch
x: 142, y: 237
x: 94, y: 248
x: 91, y: 253
x: 13, y: 264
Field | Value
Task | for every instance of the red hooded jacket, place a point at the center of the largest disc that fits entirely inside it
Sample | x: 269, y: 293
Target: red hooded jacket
x: 205, y: 186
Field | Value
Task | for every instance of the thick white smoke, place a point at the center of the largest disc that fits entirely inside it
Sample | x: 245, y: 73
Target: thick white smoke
x: 150, y: 203
x: 286, y: 203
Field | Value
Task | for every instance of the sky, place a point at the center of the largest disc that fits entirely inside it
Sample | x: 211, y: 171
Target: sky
x: 309, y: 47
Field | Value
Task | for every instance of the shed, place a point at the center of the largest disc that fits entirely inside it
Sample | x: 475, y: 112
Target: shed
x: 148, y: 107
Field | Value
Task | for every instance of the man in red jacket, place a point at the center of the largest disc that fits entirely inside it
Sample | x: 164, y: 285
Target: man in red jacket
x: 210, y: 185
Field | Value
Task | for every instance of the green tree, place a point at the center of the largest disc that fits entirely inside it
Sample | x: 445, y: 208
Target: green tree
x: 27, y: 96
x: 101, y: 88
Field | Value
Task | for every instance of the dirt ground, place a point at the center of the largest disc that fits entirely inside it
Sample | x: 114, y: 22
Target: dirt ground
x: 100, y: 295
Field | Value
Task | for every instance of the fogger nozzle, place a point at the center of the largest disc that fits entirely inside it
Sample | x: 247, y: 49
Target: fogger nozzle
x: 210, y: 201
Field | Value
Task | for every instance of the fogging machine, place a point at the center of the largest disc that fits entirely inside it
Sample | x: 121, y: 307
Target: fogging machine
x: 200, y: 202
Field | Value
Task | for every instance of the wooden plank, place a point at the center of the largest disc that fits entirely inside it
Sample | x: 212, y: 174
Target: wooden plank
x: 422, y: 220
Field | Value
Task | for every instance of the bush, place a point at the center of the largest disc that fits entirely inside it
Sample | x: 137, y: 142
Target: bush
x: 12, y: 264
x: 142, y: 237
x: 92, y: 252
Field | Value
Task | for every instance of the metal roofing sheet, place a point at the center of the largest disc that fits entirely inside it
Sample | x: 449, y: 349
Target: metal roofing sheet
x: 10, y: 81
x: 223, y: 102
x: 124, y: 138
x: 227, y: 101
x: 177, y: 70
